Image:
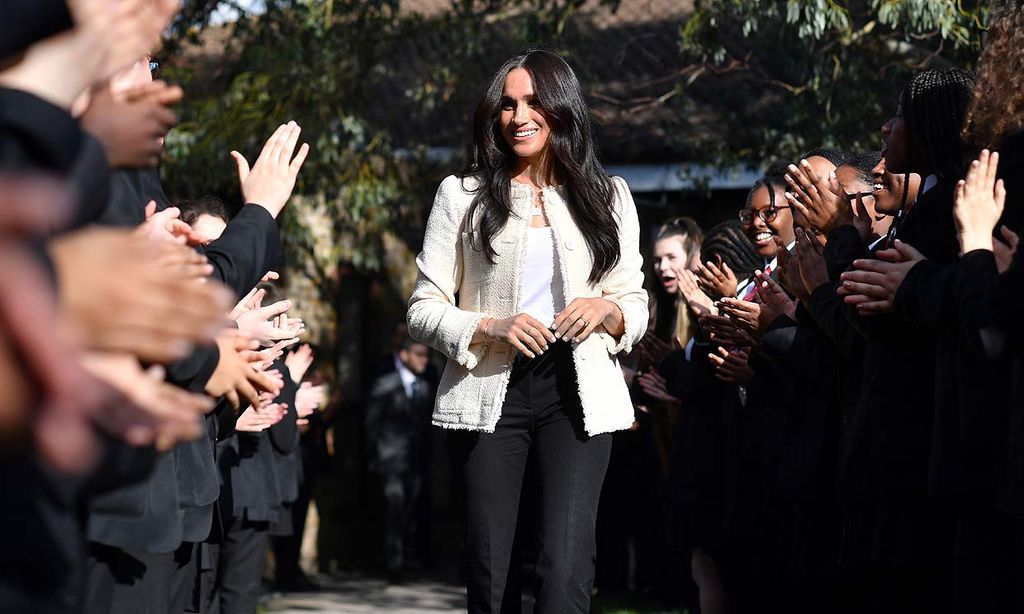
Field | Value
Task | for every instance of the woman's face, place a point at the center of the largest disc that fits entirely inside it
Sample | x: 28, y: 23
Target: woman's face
x: 762, y: 234
x: 522, y: 120
x: 889, y: 188
x: 670, y: 259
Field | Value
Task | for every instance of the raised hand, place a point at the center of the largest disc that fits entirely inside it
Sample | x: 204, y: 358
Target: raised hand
x: 258, y: 418
x: 271, y: 180
x: 820, y: 199
x: 655, y: 386
x: 774, y: 301
x: 298, y: 362
x: 724, y: 330
x: 873, y: 286
x: 716, y: 279
x: 744, y: 313
x: 252, y: 300
x: 264, y: 324
x: 789, y: 272
x: 118, y: 295
x: 979, y: 203
x: 235, y: 378
x: 166, y: 226
x: 308, y: 399
x: 732, y: 366
x: 810, y: 260
x: 653, y: 350
x: 699, y: 302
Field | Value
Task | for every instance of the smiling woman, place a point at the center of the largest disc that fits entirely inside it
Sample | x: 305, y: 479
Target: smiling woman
x: 549, y: 284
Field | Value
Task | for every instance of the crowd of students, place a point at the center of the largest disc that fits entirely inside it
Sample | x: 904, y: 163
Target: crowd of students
x: 153, y: 389
x: 842, y: 365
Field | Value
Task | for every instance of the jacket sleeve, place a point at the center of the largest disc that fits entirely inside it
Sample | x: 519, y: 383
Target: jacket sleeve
x: 284, y: 435
x: 624, y: 284
x: 432, y: 316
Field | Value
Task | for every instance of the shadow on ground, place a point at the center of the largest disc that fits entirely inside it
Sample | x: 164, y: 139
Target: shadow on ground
x: 362, y: 595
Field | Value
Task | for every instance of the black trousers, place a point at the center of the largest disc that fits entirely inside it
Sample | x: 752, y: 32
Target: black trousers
x: 119, y: 580
x: 240, y: 566
x: 541, y: 428
x: 288, y: 548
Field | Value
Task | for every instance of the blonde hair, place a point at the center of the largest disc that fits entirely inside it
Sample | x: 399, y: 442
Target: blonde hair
x: 691, y: 236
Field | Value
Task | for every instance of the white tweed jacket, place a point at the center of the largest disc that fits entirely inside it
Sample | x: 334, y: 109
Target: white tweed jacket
x: 457, y: 286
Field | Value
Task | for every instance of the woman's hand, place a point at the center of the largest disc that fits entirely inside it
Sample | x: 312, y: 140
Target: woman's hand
x: 744, y: 313
x: 523, y: 331
x: 873, y: 285
x: 699, y: 302
x: 655, y: 386
x: 979, y: 203
x: 583, y: 315
x: 732, y: 366
x: 717, y: 280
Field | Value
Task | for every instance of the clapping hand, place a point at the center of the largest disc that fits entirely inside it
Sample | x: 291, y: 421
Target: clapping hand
x: 235, y: 377
x: 270, y: 324
x: 743, y: 313
x: 308, y: 398
x: 724, y: 330
x: 789, y: 272
x: 271, y: 180
x: 810, y: 260
x: 166, y: 226
x: 820, y: 199
x: 159, y: 413
x: 142, y: 309
x: 653, y: 350
x: 773, y: 300
x: 298, y: 362
x: 732, y: 366
x: 699, y: 302
x: 873, y: 286
x: 979, y: 203
x: 261, y: 416
x: 716, y: 279
x: 655, y: 386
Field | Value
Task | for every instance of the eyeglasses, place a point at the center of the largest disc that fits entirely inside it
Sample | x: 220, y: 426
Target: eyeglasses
x: 768, y: 214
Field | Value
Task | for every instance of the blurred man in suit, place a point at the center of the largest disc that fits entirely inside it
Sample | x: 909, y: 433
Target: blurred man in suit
x: 398, y: 412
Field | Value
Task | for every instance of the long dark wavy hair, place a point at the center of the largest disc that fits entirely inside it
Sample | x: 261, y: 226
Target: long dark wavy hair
x: 571, y: 150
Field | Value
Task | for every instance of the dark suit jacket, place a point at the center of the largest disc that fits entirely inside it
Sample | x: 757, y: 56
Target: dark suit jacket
x: 396, y: 429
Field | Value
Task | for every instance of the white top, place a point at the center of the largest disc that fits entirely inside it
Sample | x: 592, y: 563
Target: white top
x: 408, y: 377
x: 541, y: 295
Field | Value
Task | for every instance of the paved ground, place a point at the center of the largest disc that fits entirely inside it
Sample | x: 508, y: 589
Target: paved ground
x: 354, y: 595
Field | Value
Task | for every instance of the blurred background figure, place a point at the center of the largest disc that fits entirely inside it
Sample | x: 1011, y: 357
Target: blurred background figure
x: 398, y: 410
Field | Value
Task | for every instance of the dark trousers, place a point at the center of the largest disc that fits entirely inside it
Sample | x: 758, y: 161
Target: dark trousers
x: 541, y: 425
x: 125, y: 581
x: 240, y: 566
x: 401, y: 498
x: 288, y: 548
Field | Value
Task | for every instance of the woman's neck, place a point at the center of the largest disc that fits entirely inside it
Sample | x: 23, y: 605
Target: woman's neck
x: 536, y: 172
